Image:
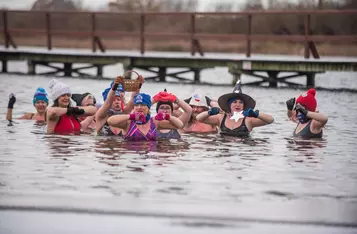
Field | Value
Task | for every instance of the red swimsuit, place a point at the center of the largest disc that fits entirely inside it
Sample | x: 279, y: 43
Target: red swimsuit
x: 68, y: 124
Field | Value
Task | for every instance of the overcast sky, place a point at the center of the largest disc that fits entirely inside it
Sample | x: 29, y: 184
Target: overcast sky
x: 95, y: 4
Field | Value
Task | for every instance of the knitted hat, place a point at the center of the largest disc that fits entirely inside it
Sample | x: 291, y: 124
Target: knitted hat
x: 308, y: 100
x: 58, y: 88
x: 117, y: 92
x: 142, y: 98
x: 40, y: 95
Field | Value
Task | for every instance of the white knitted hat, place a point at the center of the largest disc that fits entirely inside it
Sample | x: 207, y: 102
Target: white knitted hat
x: 57, y: 89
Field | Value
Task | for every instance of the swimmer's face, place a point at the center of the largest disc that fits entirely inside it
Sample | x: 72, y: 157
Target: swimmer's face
x: 237, y: 106
x: 197, y: 110
x: 64, y: 100
x: 116, y: 105
x: 140, y: 108
x: 164, y: 108
x: 41, y: 106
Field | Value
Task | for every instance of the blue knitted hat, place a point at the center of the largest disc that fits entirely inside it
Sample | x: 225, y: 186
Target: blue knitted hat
x: 142, y: 98
x: 117, y: 92
x: 40, y: 95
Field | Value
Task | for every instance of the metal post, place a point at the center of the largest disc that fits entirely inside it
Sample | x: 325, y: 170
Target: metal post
x: 249, y: 32
x: 67, y: 69
x: 162, y: 74
x: 310, y: 80
x: 31, y: 67
x: 193, y: 32
x: 196, y: 77
x: 48, y: 31
x: 99, y: 70
x: 4, y: 65
x: 142, y: 31
x: 273, y: 78
x: 307, y: 33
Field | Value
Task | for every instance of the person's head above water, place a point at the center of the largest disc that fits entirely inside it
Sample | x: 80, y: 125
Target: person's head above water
x: 308, y: 100
x: 40, y: 100
x: 60, y: 93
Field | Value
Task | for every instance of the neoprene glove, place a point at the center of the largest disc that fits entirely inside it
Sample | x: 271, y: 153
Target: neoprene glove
x: 251, y: 113
x: 213, y: 111
x: 75, y: 111
x: 290, y: 103
x: 301, y: 109
x: 12, y: 100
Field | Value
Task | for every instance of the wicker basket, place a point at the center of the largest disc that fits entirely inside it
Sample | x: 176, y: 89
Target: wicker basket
x: 131, y: 85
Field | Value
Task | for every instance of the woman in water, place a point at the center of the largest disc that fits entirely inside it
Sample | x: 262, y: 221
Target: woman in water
x: 62, y: 118
x: 114, y: 104
x: 165, y: 102
x: 139, y: 125
x: 40, y: 102
x: 309, y: 122
x: 199, y: 103
x: 239, y: 118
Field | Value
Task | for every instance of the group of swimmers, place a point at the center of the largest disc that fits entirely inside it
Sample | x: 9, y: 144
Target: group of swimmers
x: 233, y: 114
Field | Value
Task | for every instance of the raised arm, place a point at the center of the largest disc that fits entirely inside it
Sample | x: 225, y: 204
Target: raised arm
x: 119, y: 121
x: 187, y: 111
x: 10, y: 106
x: 211, y: 117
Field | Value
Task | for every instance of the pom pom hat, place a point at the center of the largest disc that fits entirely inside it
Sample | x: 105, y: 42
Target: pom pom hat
x: 40, y: 95
x: 57, y: 89
x: 308, y: 100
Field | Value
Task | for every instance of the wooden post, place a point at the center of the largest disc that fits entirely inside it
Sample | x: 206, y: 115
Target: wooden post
x: 31, y: 67
x: 193, y: 32
x: 142, y: 31
x: 310, y: 80
x: 48, y: 31
x: 5, y: 31
x: 307, y: 33
x: 273, y: 78
x: 249, y: 32
x: 94, y: 46
x: 162, y: 74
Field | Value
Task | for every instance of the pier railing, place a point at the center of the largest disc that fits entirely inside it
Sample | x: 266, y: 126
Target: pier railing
x: 185, y: 26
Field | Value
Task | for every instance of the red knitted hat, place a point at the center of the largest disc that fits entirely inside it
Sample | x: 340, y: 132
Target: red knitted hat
x: 308, y: 100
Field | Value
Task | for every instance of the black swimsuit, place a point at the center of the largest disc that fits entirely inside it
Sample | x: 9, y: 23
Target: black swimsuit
x: 240, y: 131
x: 306, y: 132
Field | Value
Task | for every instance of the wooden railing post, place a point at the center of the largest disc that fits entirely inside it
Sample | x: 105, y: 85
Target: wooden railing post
x: 193, y: 32
x: 307, y: 33
x: 142, y: 31
x: 48, y: 31
x: 94, y: 46
x: 249, y: 32
x: 5, y: 31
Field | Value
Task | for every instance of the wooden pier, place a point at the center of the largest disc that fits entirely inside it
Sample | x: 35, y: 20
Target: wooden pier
x: 159, y: 66
x: 94, y: 26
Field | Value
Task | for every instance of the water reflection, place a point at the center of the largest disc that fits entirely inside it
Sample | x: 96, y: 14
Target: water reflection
x: 306, y: 148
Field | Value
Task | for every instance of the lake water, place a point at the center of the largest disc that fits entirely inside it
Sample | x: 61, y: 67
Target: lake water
x: 269, y: 182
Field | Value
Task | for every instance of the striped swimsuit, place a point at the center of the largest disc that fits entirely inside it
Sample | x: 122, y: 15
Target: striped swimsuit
x: 134, y: 133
